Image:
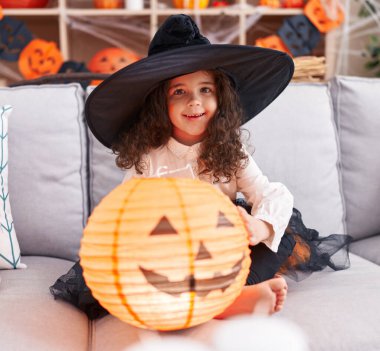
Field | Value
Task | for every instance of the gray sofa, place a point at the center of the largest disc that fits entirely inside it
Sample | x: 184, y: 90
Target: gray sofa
x: 321, y: 140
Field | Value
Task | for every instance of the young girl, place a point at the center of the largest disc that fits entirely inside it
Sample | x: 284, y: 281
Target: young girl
x: 183, y: 106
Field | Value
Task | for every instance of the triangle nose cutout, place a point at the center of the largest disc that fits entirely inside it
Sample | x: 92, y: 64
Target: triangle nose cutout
x: 203, y: 253
x: 163, y: 227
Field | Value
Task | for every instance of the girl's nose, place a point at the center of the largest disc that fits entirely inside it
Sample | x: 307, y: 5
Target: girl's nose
x: 194, y: 100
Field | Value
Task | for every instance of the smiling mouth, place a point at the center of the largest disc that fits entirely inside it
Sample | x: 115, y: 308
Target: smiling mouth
x: 195, y: 115
x: 202, y: 287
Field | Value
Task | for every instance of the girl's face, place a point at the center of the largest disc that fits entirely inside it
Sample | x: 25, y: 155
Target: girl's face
x: 192, y: 103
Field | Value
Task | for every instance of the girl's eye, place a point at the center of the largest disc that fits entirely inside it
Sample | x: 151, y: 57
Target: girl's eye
x: 205, y: 90
x: 178, y: 92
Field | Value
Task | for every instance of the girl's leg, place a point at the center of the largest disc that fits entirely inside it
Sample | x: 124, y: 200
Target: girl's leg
x: 263, y: 298
x: 265, y: 263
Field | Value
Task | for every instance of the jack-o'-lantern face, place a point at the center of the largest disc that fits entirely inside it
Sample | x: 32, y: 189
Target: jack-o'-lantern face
x: 14, y: 36
x: 40, y: 58
x: 165, y: 253
x: 202, y: 286
x: 319, y: 17
x: 111, y: 60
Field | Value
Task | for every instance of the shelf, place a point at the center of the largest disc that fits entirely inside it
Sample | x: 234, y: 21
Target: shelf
x: 228, y: 10
x: 32, y: 12
x: 80, y: 31
x: 110, y: 12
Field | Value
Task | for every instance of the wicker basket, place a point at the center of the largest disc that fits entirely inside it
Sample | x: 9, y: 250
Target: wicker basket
x: 309, y: 69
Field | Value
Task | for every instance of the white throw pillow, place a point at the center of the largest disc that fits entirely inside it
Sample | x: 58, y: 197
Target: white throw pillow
x: 10, y: 256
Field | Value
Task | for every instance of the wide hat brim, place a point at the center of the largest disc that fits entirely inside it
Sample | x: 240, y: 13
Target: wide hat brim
x: 259, y: 74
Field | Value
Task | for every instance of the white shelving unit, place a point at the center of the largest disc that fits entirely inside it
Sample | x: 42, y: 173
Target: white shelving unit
x: 61, y: 10
x: 54, y: 22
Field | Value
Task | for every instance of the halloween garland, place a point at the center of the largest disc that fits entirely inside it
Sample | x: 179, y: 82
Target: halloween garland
x: 298, y: 36
x: 37, y: 57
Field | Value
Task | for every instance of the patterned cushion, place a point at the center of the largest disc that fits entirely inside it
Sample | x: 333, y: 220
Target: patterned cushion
x: 9, y: 249
x: 48, y: 168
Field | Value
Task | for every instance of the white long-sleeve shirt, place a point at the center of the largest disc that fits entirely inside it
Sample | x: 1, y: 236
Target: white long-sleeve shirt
x: 271, y: 201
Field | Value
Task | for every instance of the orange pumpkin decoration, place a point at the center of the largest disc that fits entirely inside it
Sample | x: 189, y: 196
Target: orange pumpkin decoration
x: 165, y: 253
x: 108, y: 4
x: 271, y: 3
x: 318, y: 16
x: 111, y: 60
x: 190, y: 4
x: 1, y: 13
x: 293, y: 3
x: 23, y: 3
x: 39, y: 58
x: 272, y: 42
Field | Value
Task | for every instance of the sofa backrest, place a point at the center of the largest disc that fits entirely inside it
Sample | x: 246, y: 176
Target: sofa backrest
x: 47, y: 168
x: 295, y: 143
x: 357, y: 113
x: 58, y: 172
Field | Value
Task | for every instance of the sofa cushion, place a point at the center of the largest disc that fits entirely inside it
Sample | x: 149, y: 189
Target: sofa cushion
x: 47, y: 168
x: 241, y: 333
x: 338, y: 310
x: 294, y: 142
x: 369, y: 248
x: 357, y: 111
x: 104, y: 174
x: 30, y: 318
x: 9, y: 248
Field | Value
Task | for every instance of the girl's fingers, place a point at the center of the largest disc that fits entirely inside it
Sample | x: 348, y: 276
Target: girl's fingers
x: 246, y: 217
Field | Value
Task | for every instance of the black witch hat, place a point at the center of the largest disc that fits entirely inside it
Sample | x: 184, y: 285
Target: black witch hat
x: 178, y: 48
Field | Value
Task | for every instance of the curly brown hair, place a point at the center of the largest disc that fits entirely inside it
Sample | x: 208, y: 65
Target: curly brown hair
x: 221, y: 153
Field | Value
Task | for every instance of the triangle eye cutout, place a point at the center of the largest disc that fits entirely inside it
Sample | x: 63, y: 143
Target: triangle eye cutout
x: 223, y: 221
x: 163, y: 227
x: 203, y: 253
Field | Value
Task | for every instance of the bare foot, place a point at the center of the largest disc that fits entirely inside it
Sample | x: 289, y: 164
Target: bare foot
x: 264, y: 298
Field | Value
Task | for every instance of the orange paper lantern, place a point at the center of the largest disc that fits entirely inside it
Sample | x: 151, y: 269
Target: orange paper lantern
x: 318, y: 16
x: 165, y: 253
x: 272, y: 42
x: 108, y: 4
x: 190, y: 4
x: 39, y: 58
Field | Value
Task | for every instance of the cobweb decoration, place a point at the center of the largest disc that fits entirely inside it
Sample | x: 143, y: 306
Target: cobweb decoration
x: 361, y: 23
x: 131, y: 33
x: 134, y: 32
x: 9, y: 73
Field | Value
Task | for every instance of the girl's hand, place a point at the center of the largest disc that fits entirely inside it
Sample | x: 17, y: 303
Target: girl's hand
x: 258, y: 229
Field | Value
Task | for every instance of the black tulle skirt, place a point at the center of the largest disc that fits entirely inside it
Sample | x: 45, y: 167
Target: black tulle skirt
x: 301, y: 252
